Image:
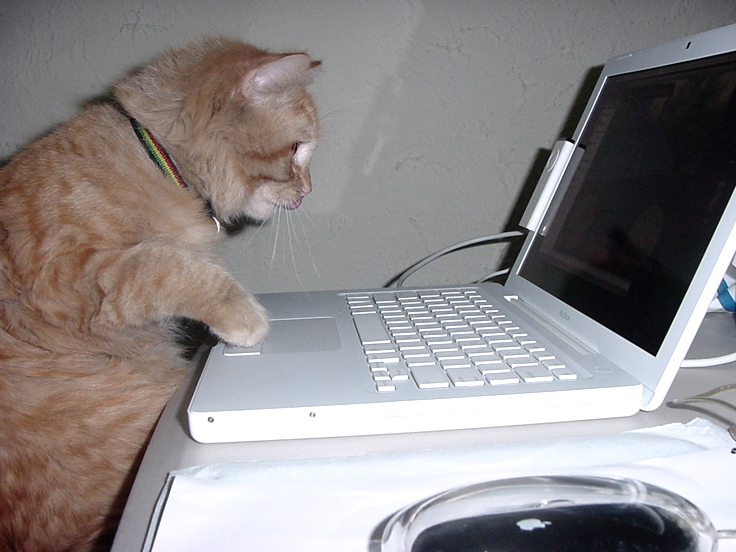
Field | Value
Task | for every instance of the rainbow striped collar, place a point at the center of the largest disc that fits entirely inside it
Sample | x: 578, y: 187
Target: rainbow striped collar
x: 157, y: 153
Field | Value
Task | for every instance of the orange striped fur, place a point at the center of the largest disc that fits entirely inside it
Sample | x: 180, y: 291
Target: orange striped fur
x: 101, y: 252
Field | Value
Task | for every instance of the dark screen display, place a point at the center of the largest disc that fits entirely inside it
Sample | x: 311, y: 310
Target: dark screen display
x: 658, y: 168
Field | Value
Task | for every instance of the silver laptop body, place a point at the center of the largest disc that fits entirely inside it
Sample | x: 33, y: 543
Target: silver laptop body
x: 631, y: 228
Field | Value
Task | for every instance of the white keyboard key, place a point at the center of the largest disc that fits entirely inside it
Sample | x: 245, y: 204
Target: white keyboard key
x: 444, y: 347
x: 485, y: 358
x: 484, y: 323
x: 491, y: 334
x: 553, y: 364
x: 474, y: 315
x: 462, y: 332
x: 423, y: 320
x: 455, y: 363
x: 521, y: 362
x: 413, y: 363
x: 378, y: 366
x: 495, y: 362
x: 534, y: 374
x: 383, y: 357
x: 430, y: 377
x: 440, y: 341
x: 398, y: 324
x: 385, y: 386
x: 478, y: 352
x: 565, y: 374
x: 413, y: 347
x: 399, y: 373
x: 381, y: 375
x: 469, y: 346
x: 362, y: 309
x: 431, y: 328
x: 509, y: 347
x: 370, y: 329
x: 500, y: 368
x: 449, y: 356
x: 428, y: 324
x: 460, y: 340
x: 543, y: 355
x: 429, y: 294
x: 378, y: 349
x: 441, y: 309
x: 234, y: 350
x: 418, y: 355
x: 465, y: 377
x: 497, y: 343
x: 514, y: 355
x: 505, y: 378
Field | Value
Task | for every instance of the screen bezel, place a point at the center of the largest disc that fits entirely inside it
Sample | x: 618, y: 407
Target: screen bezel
x: 655, y: 371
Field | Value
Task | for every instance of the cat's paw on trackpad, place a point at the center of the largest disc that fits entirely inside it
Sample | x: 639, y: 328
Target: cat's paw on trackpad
x: 242, y: 323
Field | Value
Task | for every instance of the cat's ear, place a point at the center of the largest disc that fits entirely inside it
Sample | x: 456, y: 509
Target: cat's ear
x: 277, y: 76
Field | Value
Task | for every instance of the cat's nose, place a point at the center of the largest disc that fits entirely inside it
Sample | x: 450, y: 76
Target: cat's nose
x: 306, y: 183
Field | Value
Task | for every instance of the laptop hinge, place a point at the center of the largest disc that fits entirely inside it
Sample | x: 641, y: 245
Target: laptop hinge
x: 547, y: 185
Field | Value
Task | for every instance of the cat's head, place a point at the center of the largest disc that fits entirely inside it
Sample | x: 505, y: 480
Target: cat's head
x: 236, y: 120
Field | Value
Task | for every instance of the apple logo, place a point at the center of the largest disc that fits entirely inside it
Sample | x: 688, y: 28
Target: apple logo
x: 531, y: 524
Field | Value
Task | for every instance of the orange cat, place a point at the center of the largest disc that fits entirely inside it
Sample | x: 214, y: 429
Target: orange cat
x: 108, y: 232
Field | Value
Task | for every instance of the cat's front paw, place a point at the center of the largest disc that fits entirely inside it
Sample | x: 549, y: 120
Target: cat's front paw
x: 243, y: 322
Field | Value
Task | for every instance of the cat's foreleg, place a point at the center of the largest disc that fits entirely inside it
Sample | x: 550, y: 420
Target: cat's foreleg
x: 155, y: 281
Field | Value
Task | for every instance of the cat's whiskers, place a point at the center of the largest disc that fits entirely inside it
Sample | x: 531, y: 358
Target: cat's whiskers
x: 306, y: 239
x: 275, y: 238
x: 289, y: 228
x: 294, y: 238
x: 259, y: 226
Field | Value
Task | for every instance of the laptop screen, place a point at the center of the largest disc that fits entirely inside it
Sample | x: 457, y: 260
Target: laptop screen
x: 657, y: 169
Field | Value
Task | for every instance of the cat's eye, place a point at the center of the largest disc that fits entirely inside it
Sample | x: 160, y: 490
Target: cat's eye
x: 295, y: 147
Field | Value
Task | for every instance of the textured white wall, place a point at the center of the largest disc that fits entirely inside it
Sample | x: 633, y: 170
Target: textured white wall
x: 433, y: 111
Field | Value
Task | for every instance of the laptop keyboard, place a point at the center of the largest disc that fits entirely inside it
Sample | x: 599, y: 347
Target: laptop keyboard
x: 447, y: 338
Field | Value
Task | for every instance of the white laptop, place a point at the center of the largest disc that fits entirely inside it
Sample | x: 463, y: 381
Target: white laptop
x: 630, y: 230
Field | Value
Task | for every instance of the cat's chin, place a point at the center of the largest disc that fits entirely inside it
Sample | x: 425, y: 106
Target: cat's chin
x: 294, y: 205
x: 263, y: 212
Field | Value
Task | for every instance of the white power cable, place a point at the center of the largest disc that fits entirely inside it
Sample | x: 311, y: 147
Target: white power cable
x: 708, y: 362
x: 493, y: 275
x: 475, y: 241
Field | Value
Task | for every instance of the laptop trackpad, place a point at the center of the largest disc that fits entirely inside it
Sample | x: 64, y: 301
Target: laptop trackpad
x: 301, y: 335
